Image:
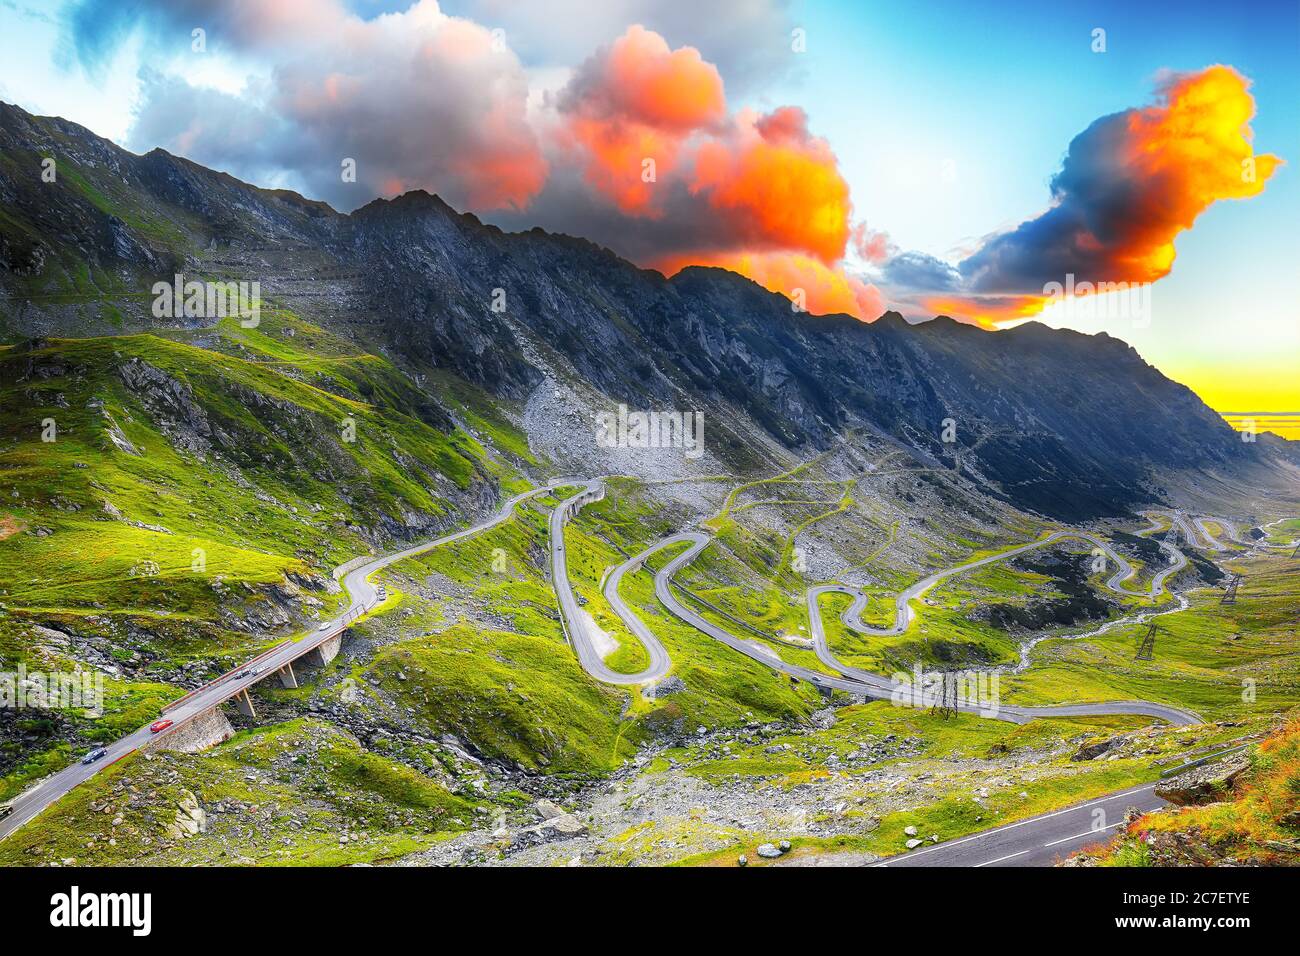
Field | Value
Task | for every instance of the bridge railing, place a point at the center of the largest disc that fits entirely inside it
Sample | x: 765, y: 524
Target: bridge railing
x: 347, y: 619
x: 217, y: 680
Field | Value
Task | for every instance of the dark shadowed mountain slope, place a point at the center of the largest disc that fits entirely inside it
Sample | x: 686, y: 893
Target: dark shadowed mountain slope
x: 1070, y: 425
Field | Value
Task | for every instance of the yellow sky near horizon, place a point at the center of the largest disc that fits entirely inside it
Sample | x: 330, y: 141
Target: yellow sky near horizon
x: 1269, y: 386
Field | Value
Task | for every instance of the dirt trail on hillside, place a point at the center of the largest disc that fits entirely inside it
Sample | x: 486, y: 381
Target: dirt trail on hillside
x: 10, y: 526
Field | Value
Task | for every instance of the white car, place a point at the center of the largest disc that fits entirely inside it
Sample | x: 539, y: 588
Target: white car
x: 325, y: 627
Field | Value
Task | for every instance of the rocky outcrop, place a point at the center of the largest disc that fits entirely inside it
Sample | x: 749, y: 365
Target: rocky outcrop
x: 190, y: 818
x: 666, y: 688
x: 1208, y: 783
x: 172, y: 404
x: 1092, y: 751
x: 548, y: 809
x: 563, y: 827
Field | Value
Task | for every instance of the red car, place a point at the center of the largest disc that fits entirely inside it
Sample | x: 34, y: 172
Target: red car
x: 158, y: 726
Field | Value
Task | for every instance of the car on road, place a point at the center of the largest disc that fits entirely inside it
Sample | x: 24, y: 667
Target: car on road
x: 325, y: 627
x: 5, y: 810
x: 99, y: 753
x: 254, y: 671
x: 158, y: 726
x: 242, y: 674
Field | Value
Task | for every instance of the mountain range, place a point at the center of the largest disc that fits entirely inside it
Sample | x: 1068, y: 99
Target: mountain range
x: 1067, y: 425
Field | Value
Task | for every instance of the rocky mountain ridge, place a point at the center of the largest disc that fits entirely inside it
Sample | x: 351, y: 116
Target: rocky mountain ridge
x: 1068, y: 425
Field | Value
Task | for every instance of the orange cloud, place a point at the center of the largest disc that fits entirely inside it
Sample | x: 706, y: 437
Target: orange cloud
x: 777, y: 186
x: 616, y: 153
x: 1129, y: 185
x: 758, y: 193
x: 637, y: 102
x: 871, y: 245
x: 824, y: 289
x: 647, y: 82
x: 1192, y: 151
x: 777, y: 194
x: 510, y: 174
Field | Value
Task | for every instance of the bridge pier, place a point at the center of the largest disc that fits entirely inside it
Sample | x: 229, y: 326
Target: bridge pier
x: 580, y: 500
x: 287, y: 677
x: 245, y: 704
x: 325, y: 652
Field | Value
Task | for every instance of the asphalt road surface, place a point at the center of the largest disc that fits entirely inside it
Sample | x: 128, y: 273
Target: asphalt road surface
x: 575, y: 622
x: 659, y: 660
x: 364, y: 596
x: 1035, y: 841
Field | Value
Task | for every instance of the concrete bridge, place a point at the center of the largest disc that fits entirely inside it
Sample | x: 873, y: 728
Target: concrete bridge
x: 197, y: 719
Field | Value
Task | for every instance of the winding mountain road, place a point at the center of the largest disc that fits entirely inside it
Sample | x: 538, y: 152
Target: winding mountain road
x: 364, y: 597
x: 904, y: 616
x: 850, y: 679
x: 659, y: 659
x: 576, y: 623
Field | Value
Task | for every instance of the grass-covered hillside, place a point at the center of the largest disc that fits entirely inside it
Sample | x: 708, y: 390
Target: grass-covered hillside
x: 170, y: 504
x: 1254, y: 820
x: 301, y: 792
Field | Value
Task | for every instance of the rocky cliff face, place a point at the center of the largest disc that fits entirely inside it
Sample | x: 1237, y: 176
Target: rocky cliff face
x: 1069, y: 425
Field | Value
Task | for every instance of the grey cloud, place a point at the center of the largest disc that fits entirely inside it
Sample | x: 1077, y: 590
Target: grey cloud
x: 917, y: 270
x: 417, y: 99
x: 748, y: 40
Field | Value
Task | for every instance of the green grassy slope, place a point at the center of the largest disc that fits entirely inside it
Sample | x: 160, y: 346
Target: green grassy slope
x: 281, y: 795
x: 190, y: 502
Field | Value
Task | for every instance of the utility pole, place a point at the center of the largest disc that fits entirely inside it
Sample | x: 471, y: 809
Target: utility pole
x: 1146, y: 651
x: 1230, y: 595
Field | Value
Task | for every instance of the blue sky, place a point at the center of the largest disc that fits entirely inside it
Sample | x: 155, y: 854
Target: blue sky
x: 899, y: 90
